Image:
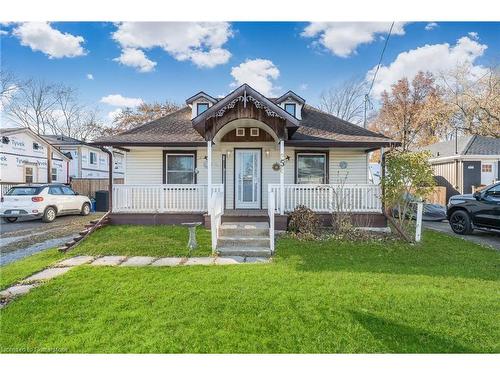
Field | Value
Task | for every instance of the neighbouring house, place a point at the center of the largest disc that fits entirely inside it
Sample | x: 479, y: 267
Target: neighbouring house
x: 88, y: 161
x: 25, y: 157
x: 465, y: 163
x: 245, y: 158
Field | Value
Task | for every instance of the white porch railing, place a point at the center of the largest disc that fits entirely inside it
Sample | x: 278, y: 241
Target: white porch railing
x: 270, y: 212
x: 329, y: 197
x: 162, y: 198
x: 216, y: 210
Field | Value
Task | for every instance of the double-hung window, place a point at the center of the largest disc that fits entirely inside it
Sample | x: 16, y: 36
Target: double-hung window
x: 180, y: 168
x: 54, y: 174
x: 311, y: 168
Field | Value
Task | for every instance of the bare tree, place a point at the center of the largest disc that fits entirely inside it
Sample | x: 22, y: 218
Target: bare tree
x: 130, y: 118
x: 345, y: 101
x: 31, y: 105
x: 474, y: 101
x: 8, y: 86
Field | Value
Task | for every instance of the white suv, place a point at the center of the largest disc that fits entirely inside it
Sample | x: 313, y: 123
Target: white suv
x: 45, y: 200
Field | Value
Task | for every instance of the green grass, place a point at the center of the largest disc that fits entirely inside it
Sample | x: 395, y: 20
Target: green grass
x: 153, y: 240
x: 18, y: 270
x: 317, y: 297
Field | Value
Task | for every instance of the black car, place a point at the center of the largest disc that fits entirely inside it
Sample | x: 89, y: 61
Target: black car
x: 480, y: 210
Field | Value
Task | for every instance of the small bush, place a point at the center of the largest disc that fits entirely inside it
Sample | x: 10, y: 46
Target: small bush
x: 304, y: 223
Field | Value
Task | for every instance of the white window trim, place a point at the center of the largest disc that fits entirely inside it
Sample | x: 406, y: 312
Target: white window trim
x: 53, y: 172
x: 325, y: 156
x: 254, y: 132
x: 175, y: 154
x: 240, y: 132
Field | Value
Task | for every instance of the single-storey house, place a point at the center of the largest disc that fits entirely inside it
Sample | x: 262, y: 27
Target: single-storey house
x: 26, y: 157
x: 465, y: 163
x: 245, y: 158
x: 88, y: 161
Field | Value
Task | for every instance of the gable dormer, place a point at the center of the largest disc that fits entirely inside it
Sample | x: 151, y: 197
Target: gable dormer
x: 291, y: 103
x: 199, y: 103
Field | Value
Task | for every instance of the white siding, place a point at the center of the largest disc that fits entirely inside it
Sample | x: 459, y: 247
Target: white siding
x: 357, y: 166
x: 144, y: 166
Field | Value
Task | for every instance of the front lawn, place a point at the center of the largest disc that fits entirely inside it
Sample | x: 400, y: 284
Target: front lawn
x: 21, y: 269
x: 316, y: 297
x: 152, y: 240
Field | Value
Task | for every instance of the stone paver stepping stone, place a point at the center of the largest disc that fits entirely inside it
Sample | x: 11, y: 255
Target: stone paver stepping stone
x: 16, y: 290
x: 205, y: 261
x: 137, y: 262
x: 169, y: 262
x: 112, y: 260
x: 256, y: 260
x: 47, y: 274
x: 227, y: 260
x: 76, y: 261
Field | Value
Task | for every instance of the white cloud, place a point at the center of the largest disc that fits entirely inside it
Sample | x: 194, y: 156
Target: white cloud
x: 90, y: 76
x: 435, y: 58
x: 474, y: 35
x: 431, y: 26
x: 303, y: 86
x: 117, y: 100
x: 136, y: 58
x: 342, y: 38
x: 40, y: 36
x: 113, y: 114
x: 3, y: 32
x: 258, y: 73
x: 199, y: 42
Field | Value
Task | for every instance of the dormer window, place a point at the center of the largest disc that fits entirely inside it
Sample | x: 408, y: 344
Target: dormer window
x: 290, y: 108
x: 200, y: 108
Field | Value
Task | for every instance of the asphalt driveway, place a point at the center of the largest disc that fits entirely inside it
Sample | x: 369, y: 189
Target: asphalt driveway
x: 481, y: 237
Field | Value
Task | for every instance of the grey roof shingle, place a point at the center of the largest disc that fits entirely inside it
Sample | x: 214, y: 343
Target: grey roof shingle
x: 176, y: 127
x: 468, y: 145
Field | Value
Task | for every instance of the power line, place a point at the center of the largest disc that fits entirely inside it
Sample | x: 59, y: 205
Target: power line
x: 367, y: 95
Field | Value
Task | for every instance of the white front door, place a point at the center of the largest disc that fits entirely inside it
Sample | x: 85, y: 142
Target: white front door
x: 247, y: 178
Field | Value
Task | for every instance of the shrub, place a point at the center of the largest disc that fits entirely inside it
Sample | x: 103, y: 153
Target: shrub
x: 304, y: 223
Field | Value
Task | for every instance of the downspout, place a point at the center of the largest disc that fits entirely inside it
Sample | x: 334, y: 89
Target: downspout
x: 49, y: 163
x: 110, y: 178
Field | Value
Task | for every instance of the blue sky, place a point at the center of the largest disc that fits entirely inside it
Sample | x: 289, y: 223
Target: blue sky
x: 178, y: 60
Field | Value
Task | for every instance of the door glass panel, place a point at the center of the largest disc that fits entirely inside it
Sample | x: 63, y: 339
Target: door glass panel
x: 247, y: 177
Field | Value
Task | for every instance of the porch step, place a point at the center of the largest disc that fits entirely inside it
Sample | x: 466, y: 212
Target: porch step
x: 244, y: 229
x: 243, y: 242
x: 245, y: 252
x: 245, y: 238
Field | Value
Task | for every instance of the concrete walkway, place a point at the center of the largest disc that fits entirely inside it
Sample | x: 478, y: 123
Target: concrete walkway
x: 64, y: 266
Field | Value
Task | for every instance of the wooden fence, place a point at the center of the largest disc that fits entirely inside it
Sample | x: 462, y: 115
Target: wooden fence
x: 88, y: 186
x: 437, y: 196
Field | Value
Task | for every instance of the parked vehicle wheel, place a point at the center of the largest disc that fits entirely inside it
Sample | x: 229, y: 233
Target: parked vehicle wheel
x: 49, y: 215
x: 10, y: 219
x: 460, y: 222
x: 85, y: 209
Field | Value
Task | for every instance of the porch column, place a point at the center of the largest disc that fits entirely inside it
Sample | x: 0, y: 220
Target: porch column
x: 282, y: 178
x: 209, y: 176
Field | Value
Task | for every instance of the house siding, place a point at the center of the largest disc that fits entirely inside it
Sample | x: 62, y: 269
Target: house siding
x: 145, y: 166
